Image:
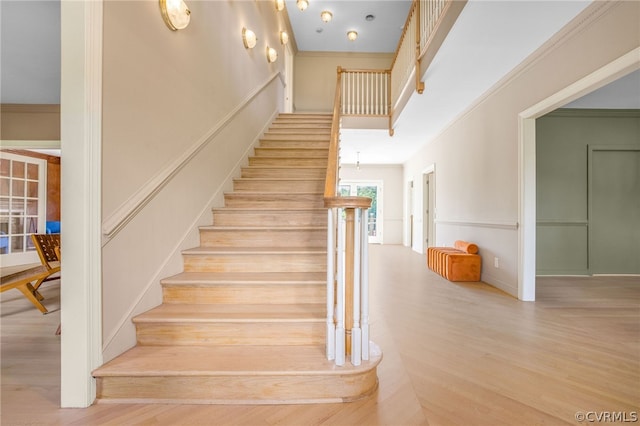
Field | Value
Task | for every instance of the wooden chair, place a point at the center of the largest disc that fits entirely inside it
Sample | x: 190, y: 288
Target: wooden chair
x: 22, y: 279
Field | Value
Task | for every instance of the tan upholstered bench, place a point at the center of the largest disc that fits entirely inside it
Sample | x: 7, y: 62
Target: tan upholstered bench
x: 459, y: 263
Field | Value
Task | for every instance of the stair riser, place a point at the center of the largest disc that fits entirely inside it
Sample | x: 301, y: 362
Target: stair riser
x: 266, y: 185
x: 295, y: 137
x: 230, y: 333
x: 276, y: 262
x: 287, y: 162
x: 320, y: 124
x: 279, y: 218
x: 237, y: 293
x: 319, y: 127
x: 299, y: 130
x: 285, y: 172
x: 292, y: 152
x: 263, y: 238
x: 263, y: 201
x: 264, y: 143
x: 226, y: 389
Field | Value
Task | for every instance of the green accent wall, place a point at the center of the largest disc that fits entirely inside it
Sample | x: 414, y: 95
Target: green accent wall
x: 588, y: 192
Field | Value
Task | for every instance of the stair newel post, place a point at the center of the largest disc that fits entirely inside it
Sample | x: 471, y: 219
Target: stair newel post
x: 348, y: 279
x: 356, y: 336
x: 364, y: 280
x: 340, y: 314
x: 331, y: 279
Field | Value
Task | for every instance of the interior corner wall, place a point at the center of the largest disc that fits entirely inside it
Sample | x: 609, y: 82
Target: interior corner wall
x: 314, y: 78
x: 392, y: 196
x: 476, y: 157
x: 164, y: 92
x: 564, y: 238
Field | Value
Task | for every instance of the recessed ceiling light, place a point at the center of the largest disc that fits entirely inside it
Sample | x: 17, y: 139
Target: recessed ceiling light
x: 319, y: 30
x: 326, y: 16
x: 370, y: 17
x: 352, y: 35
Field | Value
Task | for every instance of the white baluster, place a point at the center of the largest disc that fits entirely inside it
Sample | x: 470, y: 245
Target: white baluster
x: 331, y: 255
x: 364, y: 279
x: 340, y: 334
x: 356, y: 335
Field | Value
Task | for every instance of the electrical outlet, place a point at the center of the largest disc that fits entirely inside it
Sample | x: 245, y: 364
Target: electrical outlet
x: 496, y: 262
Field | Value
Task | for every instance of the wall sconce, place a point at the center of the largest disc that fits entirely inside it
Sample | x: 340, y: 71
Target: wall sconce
x: 302, y: 4
x: 272, y: 55
x: 326, y: 16
x: 175, y: 14
x: 352, y: 35
x: 249, y: 38
x: 279, y: 5
x: 284, y: 37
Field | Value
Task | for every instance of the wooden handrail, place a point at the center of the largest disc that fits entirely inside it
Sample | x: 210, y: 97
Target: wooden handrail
x: 331, y: 179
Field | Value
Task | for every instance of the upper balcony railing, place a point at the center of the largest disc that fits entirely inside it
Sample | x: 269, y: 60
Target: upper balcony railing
x: 383, y: 93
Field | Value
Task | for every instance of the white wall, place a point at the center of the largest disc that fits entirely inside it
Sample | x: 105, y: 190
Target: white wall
x: 392, y: 199
x: 168, y: 94
x: 476, y: 157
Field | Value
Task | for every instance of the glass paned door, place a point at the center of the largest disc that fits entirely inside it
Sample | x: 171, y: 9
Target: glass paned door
x: 22, y: 206
x: 372, y: 190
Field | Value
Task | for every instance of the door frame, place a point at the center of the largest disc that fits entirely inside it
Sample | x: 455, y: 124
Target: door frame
x: 527, y: 160
x: 428, y: 218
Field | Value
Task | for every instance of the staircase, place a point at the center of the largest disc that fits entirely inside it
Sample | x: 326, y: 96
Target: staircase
x: 246, y: 320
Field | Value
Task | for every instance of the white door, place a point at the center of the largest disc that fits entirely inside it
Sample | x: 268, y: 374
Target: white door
x: 373, y: 190
x: 23, y: 192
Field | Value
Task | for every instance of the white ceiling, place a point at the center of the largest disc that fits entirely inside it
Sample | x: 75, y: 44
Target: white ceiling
x: 489, y: 39
x: 381, y: 34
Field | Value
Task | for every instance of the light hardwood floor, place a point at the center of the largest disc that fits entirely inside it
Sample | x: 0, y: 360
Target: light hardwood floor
x: 454, y: 354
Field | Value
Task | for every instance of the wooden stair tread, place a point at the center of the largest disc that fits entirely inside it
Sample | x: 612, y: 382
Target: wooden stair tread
x: 229, y: 360
x: 269, y: 209
x: 253, y: 250
x: 262, y: 228
x: 204, y: 313
x: 204, y: 278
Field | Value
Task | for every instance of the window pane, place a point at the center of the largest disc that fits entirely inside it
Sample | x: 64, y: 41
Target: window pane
x: 17, y: 206
x: 32, y: 171
x: 32, y: 225
x: 4, y: 167
x: 4, y: 187
x: 32, y: 189
x: 17, y: 243
x: 30, y: 245
x: 4, y: 225
x: 17, y: 225
x: 4, y: 205
x: 32, y: 207
x: 18, y: 187
x: 18, y: 169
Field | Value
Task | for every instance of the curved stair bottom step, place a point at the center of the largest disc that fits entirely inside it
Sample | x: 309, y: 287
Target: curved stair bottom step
x: 314, y: 380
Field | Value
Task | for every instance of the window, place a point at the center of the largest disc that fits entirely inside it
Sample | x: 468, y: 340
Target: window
x: 373, y: 190
x: 22, y: 206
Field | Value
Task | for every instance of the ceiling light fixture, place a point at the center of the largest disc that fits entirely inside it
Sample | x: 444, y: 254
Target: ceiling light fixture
x: 284, y: 37
x: 326, y: 16
x: 352, y: 35
x: 370, y: 17
x: 272, y: 54
x: 279, y: 5
x: 302, y: 4
x: 175, y: 14
x: 249, y: 38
